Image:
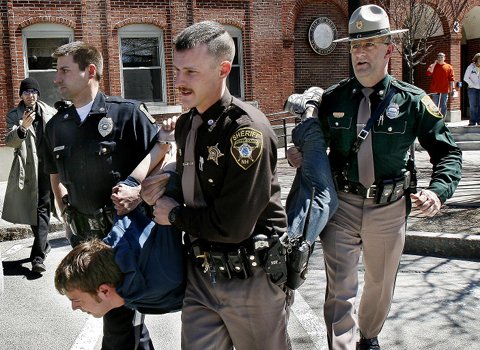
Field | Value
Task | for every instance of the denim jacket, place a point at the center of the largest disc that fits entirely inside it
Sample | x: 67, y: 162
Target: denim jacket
x: 312, y: 199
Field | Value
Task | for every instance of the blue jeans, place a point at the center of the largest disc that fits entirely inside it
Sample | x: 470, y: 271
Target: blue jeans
x: 312, y: 200
x: 474, y: 102
x: 443, y: 101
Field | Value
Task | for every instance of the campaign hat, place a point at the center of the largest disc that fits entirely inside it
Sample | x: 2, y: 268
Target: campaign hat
x: 367, y: 22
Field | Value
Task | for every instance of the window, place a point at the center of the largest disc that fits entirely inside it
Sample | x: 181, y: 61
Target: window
x: 142, y: 63
x: 39, y: 41
x: 235, y: 78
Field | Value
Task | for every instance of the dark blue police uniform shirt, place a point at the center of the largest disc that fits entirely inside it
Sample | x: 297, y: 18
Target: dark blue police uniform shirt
x: 90, y: 164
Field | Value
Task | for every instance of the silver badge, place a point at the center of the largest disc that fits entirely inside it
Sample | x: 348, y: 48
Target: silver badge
x: 392, y: 111
x: 105, y: 126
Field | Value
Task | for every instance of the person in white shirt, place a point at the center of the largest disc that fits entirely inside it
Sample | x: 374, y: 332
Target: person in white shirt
x: 472, y: 78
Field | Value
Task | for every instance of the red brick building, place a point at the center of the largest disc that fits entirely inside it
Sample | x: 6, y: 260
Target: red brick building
x: 275, y: 57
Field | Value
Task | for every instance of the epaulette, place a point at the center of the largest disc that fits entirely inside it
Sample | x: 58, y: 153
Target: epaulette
x: 62, y: 105
x: 334, y: 86
x: 140, y: 105
x: 401, y: 85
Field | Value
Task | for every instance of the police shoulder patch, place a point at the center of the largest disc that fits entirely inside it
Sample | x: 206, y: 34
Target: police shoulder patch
x: 144, y: 110
x: 246, y: 146
x: 431, y: 106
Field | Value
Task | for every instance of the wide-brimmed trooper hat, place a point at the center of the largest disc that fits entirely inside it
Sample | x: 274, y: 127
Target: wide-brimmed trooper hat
x: 369, y: 21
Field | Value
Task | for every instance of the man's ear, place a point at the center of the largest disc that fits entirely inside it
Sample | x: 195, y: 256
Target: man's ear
x: 106, y: 291
x: 225, y: 68
x: 92, y: 70
x: 390, y: 49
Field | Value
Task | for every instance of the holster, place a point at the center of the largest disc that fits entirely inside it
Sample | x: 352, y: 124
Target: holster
x: 297, y: 263
x: 89, y: 226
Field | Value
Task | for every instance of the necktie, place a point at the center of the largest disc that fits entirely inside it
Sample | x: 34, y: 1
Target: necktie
x: 190, y: 185
x: 366, y: 169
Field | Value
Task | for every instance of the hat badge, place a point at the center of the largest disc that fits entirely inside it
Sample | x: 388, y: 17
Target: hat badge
x: 359, y: 25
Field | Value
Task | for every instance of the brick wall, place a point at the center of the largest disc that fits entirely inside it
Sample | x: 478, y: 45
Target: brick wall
x: 277, y: 56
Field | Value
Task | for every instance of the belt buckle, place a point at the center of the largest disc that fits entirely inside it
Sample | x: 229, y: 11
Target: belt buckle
x: 371, y: 191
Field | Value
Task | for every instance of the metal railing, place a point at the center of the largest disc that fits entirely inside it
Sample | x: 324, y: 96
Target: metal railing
x: 280, y: 122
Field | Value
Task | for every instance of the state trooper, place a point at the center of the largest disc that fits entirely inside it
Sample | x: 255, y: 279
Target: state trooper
x: 370, y: 121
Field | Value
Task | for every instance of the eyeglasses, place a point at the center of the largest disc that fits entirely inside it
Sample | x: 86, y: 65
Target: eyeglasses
x: 367, y: 45
x: 30, y: 92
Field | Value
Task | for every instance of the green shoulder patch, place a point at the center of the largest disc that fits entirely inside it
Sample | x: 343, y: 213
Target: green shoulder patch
x: 246, y: 146
x: 143, y: 108
x: 431, y: 107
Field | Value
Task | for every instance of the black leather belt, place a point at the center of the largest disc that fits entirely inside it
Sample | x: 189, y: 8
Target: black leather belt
x: 383, y: 192
x: 358, y: 189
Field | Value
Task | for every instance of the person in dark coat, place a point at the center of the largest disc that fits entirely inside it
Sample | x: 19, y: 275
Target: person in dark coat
x: 27, y: 198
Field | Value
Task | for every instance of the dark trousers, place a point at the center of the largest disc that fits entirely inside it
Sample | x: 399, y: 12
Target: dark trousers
x: 121, y: 331
x: 40, y: 231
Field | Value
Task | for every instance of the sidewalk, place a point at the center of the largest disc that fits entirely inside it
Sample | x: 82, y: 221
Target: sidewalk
x: 459, y: 245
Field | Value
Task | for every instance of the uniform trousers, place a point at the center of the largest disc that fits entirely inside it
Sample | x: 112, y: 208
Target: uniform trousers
x: 246, y: 313
x: 379, y: 231
x: 40, y: 230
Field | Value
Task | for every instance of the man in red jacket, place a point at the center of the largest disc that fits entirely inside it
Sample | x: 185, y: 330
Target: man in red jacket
x: 442, y: 82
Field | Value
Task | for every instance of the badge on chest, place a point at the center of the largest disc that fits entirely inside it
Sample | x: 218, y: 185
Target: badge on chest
x: 105, y: 126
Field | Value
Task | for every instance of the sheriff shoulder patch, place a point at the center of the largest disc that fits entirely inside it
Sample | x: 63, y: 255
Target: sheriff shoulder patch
x: 431, y: 106
x: 246, y: 147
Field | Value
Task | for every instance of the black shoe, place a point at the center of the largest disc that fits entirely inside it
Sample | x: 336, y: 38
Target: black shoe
x: 368, y: 344
x: 471, y: 124
x: 38, y: 265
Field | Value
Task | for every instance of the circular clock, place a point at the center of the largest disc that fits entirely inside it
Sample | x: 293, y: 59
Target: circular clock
x: 321, y: 34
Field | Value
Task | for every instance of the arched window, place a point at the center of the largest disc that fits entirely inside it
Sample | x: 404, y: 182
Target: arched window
x: 39, y: 42
x: 142, y: 63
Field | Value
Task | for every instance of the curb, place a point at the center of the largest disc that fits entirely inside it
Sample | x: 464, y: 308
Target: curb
x: 445, y: 245
x: 14, y: 232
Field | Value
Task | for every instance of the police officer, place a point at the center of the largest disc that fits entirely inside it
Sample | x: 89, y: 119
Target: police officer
x: 371, y: 215
x: 92, y: 144
x: 229, y: 299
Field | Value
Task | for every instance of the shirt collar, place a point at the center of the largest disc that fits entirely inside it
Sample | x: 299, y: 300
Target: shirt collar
x: 380, y: 88
x: 216, y: 110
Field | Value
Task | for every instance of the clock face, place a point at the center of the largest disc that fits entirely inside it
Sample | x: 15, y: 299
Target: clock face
x: 321, y: 34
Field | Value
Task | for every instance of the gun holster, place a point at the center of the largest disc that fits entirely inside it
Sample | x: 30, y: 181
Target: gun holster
x: 297, y: 263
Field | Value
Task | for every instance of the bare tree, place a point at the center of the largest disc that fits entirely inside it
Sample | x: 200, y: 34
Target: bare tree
x: 422, y: 18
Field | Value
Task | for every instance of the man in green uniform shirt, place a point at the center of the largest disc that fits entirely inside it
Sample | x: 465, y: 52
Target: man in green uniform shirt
x: 373, y: 183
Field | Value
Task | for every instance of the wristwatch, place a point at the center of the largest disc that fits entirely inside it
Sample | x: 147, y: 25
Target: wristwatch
x: 172, y: 215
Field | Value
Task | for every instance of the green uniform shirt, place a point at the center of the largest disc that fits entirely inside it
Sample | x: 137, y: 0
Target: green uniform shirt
x: 410, y: 114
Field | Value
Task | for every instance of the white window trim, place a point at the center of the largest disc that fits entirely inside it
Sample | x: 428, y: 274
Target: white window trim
x: 144, y: 31
x: 43, y: 31
x: 236, y: 32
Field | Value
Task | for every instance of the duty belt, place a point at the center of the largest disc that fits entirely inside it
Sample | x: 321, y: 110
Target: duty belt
x: 240, y: 260
x: 358, y: 189
x: 383, y: 191
x: 88, y: 226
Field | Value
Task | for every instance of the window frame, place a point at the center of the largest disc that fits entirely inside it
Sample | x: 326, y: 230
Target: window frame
x: 43, y: 31
x: 144, y: 31
x: 236, y: 32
